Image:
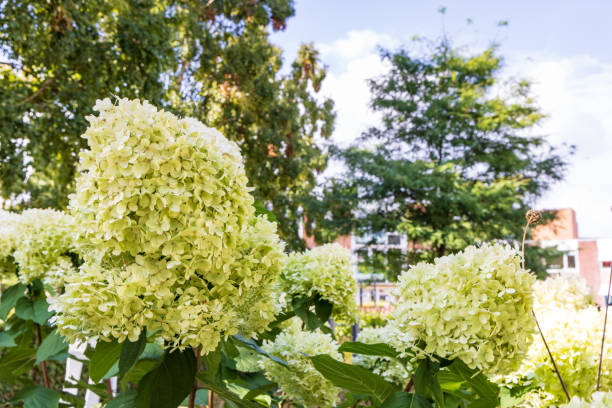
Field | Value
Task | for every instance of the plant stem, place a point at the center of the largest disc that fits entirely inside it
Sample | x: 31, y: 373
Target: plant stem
x: 603, y: 336
x: 109, y: 387
x: 211, y: 398
x: 192, y: 395
x: 536, y: 319
x: 551, y: 357
x: 409, y: 385
x: 43, y: 365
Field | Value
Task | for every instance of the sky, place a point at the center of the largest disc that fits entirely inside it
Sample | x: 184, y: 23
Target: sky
x: 562, y: 47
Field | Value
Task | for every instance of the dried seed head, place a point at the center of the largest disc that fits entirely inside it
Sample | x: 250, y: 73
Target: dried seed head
x: 533, y: 216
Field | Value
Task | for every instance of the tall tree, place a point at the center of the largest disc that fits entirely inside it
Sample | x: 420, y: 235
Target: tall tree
x: 455, y: 161
x: 208, y: 59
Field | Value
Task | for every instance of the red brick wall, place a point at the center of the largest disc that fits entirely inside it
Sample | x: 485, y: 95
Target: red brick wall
x: 589, y: 265
x: 563, y: 227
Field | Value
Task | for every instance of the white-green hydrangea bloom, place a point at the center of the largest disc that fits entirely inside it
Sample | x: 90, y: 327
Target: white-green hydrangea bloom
x: 598, y: 400
x: 325, y: 270
x: 566, y: 291
x: 388, y: 368
x: 43, y: 238
x: 475, y: 306
x: 301, y: 382
x: 8, y: 224
x: 574, y: 339
x: 177, y: 247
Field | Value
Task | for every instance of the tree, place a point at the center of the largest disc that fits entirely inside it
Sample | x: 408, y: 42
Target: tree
x: 455, y: 161
x: 207, y: 59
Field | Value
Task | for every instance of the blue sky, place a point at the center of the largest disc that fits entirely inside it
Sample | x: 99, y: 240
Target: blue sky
x: 563, y: 47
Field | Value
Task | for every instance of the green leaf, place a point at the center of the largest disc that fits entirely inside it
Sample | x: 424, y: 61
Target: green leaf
x: 130, y: 351
x: 169, y: 383
x: 18, y: 360
x: 222, y: 392
x: 7, y: 340
x: 104, y: 357
x: 260, y: 209
x: 378, y: 349
x: 426, y: 381
x: 53, y: 344
x: 138, y: 370
x: 37, y: 311
x: 353, y: 378
x: 10, y: 298
x: 123, y: 400
x: 259, y: 390
x: 323, y: 308
x: 210, y: 364
x: 250, y: 343
x: 406, y: 400
x: 37, y: 397
x: 485, y: 389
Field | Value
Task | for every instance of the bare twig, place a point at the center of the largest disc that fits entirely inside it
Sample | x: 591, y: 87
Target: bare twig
x: 410, y: 384
x: 43, y: 364
x: 534, y: 217
x: 551, y: 357
x: 603, y: 336
x: 211, y: 398
x: 40, y: 90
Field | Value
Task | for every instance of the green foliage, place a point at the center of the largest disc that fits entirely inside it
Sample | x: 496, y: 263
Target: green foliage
x: 209, y: 60
x: 455, y: 161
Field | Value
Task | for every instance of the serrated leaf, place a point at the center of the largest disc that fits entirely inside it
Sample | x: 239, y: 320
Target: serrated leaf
x: 259, y: 390
x: 323, y: 308
x: 37, y: 397
x: 53, y: 344
x: 10, y: 297
x: 378, y: 349
x: 123, y: 400
x: 426, y: 382
x: 37, y: 311
x: 7, y: 340
x: 138, y: 370
x: 130, y: 351
x: 169, y: 383
x: 103, y: 358
x: 354, y: 378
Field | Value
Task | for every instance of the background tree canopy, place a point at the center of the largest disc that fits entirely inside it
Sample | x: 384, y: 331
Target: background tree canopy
x: 207, y: 59
x: 456, y: 160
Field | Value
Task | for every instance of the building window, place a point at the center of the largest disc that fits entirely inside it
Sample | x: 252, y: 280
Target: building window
x: 556, y: 263
x: 571, y: 261
x: 393, y: 239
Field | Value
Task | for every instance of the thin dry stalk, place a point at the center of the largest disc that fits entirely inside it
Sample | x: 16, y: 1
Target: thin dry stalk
x: 534, y: 217
x: 43, y: 365
x: 194, y: 390
x: 211, y: 398
x: 603, y: 336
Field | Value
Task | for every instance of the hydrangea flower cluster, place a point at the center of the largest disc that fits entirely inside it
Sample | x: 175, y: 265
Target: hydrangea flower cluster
x: 475, y: 306
x: 598, y: 400
x: 388, y: 368
x: 301, y: 381
x: 325, y: 270
x: 43, y: 238
x: 572, y: 336
x: 178, y: 248
x: 8, y: 221
x: 567, y: 291
x: 37, y: 243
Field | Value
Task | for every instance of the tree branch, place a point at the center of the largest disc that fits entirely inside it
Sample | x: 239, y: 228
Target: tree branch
x: 40, y: 90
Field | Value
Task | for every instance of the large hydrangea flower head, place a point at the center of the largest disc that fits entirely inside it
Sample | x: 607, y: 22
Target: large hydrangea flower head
x: 474, y: 305
x: 566, y: 291
x: 325, y: 270
x: 572, y: 338
x: 43, y: 240
x: 388, y: 368
x: 178, y: 248
x: 301, y: 381
x: 598, y: 400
